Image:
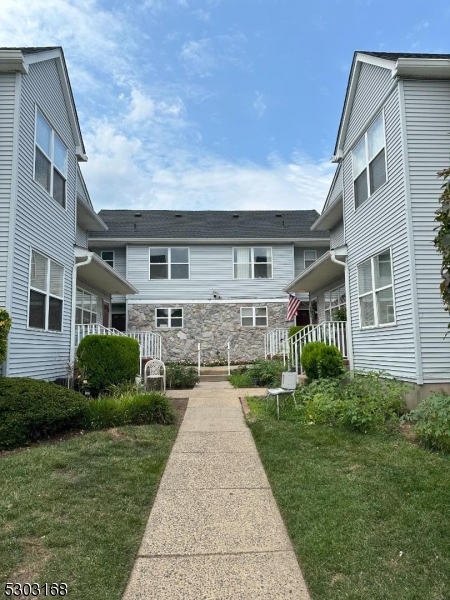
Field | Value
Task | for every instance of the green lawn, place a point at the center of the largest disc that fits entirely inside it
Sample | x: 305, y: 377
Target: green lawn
x: 75, y: 511
x: 369, y: 515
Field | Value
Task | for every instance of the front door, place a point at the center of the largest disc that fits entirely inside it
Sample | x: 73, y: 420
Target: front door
x: 106, y: 308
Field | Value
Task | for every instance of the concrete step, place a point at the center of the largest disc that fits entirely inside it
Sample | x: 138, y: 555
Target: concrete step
x: 208, y: 377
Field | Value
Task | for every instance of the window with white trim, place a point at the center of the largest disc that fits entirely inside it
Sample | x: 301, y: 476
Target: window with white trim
x: 334, y: 300
x: 252, y: 263
x: 108, y: 257
x: 310, y: 257
x: 369, y: 162
x: 169, y: 263
x: 375, y: 289
x: 86, y: 308
x: 46, y: 293
x: 254, y: 316
x: 169, y: 317
x: 50, y: 160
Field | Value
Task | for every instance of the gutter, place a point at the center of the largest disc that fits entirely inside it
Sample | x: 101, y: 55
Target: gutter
x: 74, y: 303
x: 347, y: 302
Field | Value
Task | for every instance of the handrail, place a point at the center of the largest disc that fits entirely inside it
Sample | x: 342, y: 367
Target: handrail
x: 274, y: 340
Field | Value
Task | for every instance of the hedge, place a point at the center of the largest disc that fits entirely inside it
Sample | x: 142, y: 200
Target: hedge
x: 5, y: 326
x: 108, y: 360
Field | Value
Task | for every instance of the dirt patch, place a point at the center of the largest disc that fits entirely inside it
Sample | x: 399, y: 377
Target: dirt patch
x: 180, y: 406
x: 407, y: 431
x: 35, y: 557
x: 337, y: 577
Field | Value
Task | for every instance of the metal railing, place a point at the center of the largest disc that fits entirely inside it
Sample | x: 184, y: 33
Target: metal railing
x: 274, y: 342
x: 149, y: 342
x: 199, y: 357
x: 332, y: 333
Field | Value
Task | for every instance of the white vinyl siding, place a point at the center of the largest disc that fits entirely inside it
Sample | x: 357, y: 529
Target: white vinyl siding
x: 254, y: 316
x: 252, y: 263
x: 46, y: 293
x: 310, y: 257
x: 337, y: 235
x: 81, y: 238
x: 299, y: 257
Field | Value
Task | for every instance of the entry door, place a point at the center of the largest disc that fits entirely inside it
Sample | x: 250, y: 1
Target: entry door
x: 106, y: 308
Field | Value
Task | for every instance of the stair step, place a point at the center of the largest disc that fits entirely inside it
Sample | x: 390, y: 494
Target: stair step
x: 222, y: 377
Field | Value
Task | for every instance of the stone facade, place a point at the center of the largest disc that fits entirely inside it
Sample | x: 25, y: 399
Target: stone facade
x: 213, y: 324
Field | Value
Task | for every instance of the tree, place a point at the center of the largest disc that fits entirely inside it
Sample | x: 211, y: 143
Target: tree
x: 442, y: 239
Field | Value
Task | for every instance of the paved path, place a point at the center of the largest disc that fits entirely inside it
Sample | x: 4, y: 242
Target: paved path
x: 215, y: 531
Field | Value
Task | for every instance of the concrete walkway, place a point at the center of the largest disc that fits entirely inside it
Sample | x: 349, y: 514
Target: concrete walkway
x: 215, y: 531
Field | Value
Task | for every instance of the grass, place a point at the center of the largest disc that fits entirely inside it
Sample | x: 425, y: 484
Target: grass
x: 75, y: 511
x: 369, y: 515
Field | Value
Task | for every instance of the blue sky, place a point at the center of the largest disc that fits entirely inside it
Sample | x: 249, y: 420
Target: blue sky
x: 215, y: 104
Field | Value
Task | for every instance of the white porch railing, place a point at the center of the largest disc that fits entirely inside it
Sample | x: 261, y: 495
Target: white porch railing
x: 274, y: 342
x: 332, y: 333
x: 199, y: 357
x: 149, y: 342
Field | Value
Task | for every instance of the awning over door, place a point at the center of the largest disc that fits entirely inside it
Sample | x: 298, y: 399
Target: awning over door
x: 100, y: 275
x: 319, y: 274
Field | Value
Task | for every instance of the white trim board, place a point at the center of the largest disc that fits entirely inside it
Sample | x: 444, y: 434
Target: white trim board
x: 229, y: 301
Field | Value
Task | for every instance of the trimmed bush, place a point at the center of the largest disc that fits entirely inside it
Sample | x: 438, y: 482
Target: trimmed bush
x: 31, y: 409
x: 310, y: 359
x: 108, y: 360
x: 129, y: 409
x: 331, y: 362
x: 5, y: 326
x: 432, y: 418
x: 180, y: 377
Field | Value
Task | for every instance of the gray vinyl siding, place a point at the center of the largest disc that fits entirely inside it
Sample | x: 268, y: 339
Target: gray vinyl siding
x: 379, y: 224
x: 43, y: 225
x: 100, y: 297
x: 120, y: 265
x: 320, y: 295
x: 427, y: 114
x: 81, y: 237
x: 336, y: 189
x: 299, y: 258
x: 337, y: 235
x: 373, y: 85
x: 7, y: 101
x: 211, y: 268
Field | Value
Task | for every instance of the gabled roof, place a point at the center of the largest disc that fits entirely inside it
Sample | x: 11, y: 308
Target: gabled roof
x: 21, y: 59
x: 210, y: 224
x: 399, y: 63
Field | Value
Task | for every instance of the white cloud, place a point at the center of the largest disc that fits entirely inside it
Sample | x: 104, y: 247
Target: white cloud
x: 260, y: 104
x: 202, y: 15
x: 142, y: 107
x: 202, y: 57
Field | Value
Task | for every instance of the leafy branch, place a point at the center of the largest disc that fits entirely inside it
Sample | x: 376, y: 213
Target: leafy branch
x: 442, y: 239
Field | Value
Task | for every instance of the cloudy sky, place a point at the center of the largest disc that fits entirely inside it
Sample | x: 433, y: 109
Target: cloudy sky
x: 215, y: 104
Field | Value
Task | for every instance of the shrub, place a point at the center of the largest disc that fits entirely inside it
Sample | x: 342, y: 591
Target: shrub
x: 179, y: 377
x: 266, y: 373
x: 5, y: 326
x: 31, y: 409
x: 128, y: 409
x: 295, y: 329
x: 107, y: 360
x: 331, y: 362
x: 310, y: 359
x: 432, y: 418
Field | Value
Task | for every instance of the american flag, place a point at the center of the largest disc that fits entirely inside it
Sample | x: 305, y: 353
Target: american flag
x: 293, y: 305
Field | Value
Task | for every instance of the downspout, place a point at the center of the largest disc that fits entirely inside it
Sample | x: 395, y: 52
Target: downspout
x: 347, y: 303
x: 74, y: 303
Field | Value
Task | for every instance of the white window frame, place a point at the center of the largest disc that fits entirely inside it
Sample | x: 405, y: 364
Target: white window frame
x: 374, y: 291
x: 368, y: 163
x: 169, y: 316
x: 340, y: 304
x: 46, y: 293
x: 50, y: 158
x: 107, y: 261
x: 253, y: 316
x: 312, y: 261
x: 252, y: 262
x: 91, y: 312
x: 170, y: 263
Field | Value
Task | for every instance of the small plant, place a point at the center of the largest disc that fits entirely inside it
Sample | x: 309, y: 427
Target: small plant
x: 180, y: 377
x: 340, y: 314
x: 265, y: 373
x: 5, y: 326
x: 331, y: 362
x: 432, y: 421
x: 310, y: 359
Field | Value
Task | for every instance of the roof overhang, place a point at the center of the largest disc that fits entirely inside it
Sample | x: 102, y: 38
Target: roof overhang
x: 330, y: 216
x: 107, y: 242
x: 319, y: 274
x: 12, y: 60
x: 100, y: 275
x: 423, y: 68
x: 87, y: 218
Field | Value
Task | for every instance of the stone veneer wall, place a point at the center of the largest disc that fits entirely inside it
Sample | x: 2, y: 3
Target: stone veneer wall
x: 213, y: 324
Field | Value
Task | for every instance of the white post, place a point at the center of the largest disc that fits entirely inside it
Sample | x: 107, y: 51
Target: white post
x: 198, y: 357
x: 229, y: 364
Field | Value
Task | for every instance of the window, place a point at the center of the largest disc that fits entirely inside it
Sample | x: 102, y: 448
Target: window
x: 86, y: 308
x: 310, y: 257
x: 376, y: 296
x: 254, y: 316
x: 108, y: 257
x: 169, y: 317
x: 334, y: 300
x: 252, y: 263
x: 369, y: 162
x: 169, y: 263
x: 46, y: 293
x: 50, y: 161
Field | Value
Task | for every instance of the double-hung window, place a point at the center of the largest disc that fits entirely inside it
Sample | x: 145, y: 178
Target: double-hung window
x: 169, y: 317
x: 86, y: 308
x: 369, y: 162
x: 254, y: 316
x: 50, y: 161
x: 169, y: 263
x: 375, y: 289
x: 334, y: 301
x: 310, y: 257
x: 252, y: 263
x: 108, y: 257
x: 46, y: 293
